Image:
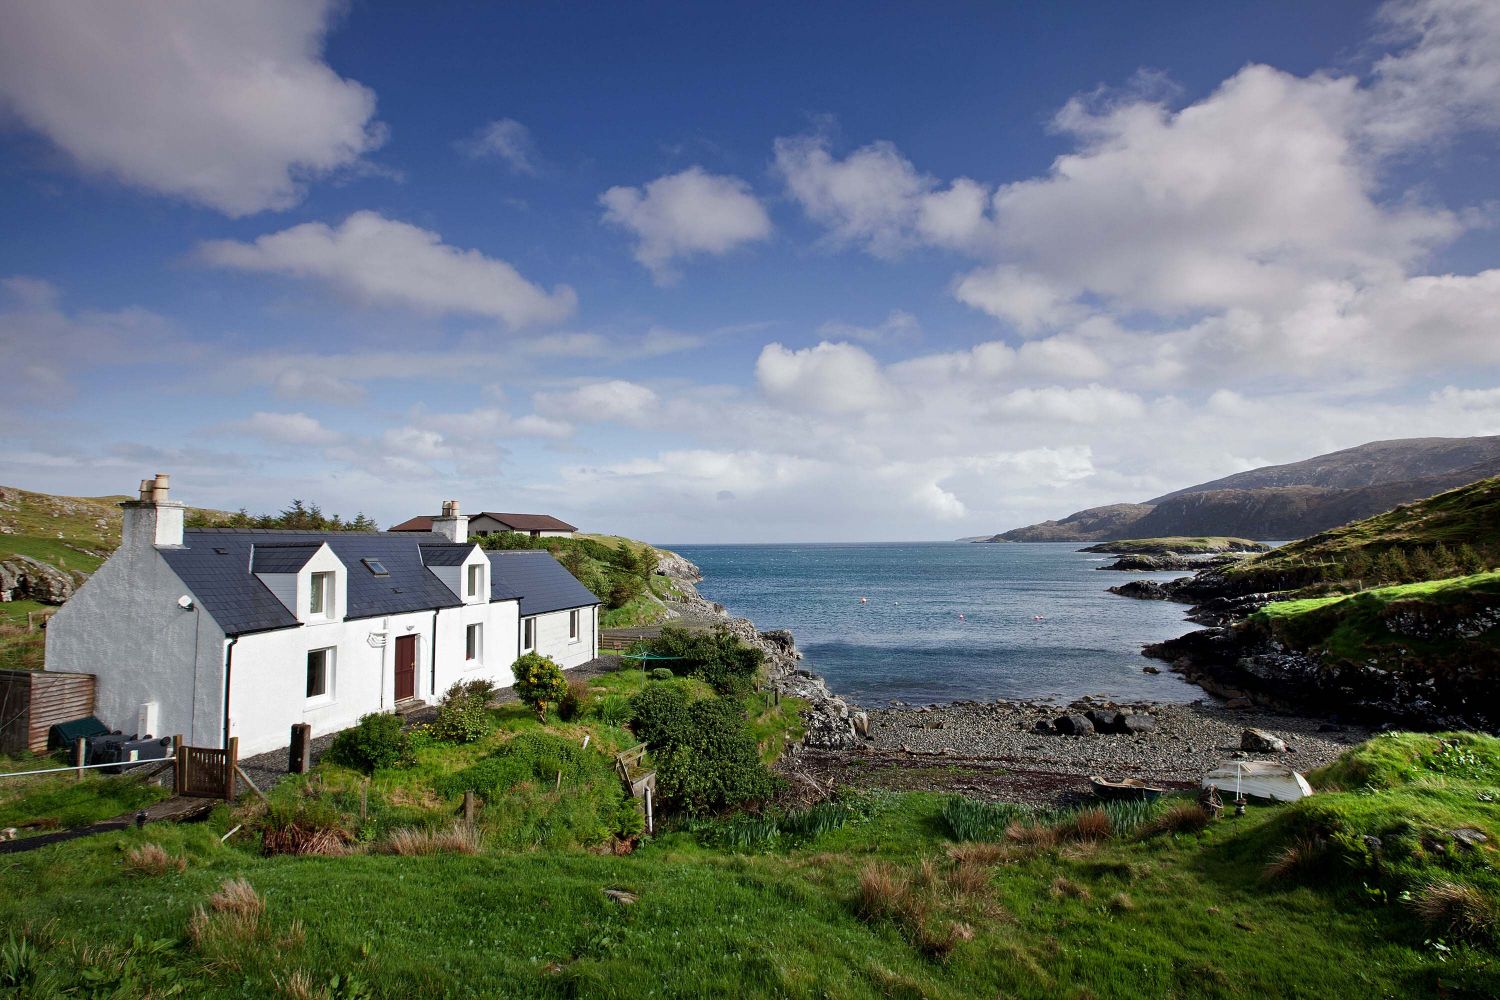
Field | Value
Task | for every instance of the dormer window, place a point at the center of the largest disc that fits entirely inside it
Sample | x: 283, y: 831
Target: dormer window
x: 476, y: 580
x: 321, y: 601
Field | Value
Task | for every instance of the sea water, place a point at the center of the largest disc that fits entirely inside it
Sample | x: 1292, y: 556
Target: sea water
x: 944, y: 621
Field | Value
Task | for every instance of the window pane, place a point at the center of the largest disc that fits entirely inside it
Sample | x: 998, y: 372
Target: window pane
x: 572, y: 624
x: 317, y: 673
x: 475, y: 642
x: 318, y: 581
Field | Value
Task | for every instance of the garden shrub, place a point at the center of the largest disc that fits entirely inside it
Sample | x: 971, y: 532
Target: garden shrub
x: 714, y: 764
x: 464, y: 715
x: 375, y: 742
x: 613, y: 709
x: 539, y: 682
x: 717, y: 657
x: 574, y: 701
x: 659, y: 717
x: 662, y: 674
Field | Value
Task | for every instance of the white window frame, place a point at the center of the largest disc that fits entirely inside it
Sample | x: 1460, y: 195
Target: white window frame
x: 575, y: 630
x: 476, y: 579
x: 474, y: 643
x: 528, y: 634
x: 321, y: 585
x: 330, y: 659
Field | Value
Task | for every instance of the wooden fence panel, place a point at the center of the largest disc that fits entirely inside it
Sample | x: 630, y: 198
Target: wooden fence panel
x: 33, y: 701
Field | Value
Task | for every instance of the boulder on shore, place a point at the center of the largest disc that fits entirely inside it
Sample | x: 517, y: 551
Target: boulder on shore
x: 1074, y: 725
x: 1260, y: 741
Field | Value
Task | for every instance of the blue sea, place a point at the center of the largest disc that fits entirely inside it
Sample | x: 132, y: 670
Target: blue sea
x: 945, y: 621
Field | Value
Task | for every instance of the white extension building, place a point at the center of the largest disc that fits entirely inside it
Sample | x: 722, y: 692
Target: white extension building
x: 228, y: 632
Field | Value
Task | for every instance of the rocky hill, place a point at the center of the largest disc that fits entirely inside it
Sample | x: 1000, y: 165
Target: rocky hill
x: 1286, y: 501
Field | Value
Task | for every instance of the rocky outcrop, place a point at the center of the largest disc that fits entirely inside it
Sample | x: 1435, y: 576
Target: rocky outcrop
x: 672, y: 565
x: 1247, y: 664
x: 1168, y: 561
x: 23, y: 578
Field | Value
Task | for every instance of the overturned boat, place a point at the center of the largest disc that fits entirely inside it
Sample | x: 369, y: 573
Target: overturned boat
x: 1261, y: 779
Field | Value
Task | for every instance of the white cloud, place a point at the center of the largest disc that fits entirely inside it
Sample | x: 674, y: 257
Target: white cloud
x: 832, y: 377
x: 899, y: 326
x: 506, y: 139
x: 228, y: 105
x: 685, y: 214
x: 380, y: 261
x: 1445, y: 81
x: 875, y: 197
x: 613, y: 400
x: 44, y: 348
x: 1027, y: 300
x: 285, y: 428
x: 1091, y: 404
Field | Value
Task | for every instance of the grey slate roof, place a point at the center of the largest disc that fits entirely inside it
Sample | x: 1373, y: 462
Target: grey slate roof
x: 446, y: 554
x: 215, y: 563
x: 282, y: 557
x: 544, y: 583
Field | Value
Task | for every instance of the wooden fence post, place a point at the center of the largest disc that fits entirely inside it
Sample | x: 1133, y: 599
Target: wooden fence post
x: 180, y: 775
x: 80, y: 755
x: 231, y: 762
x: 300, y: 755
x: 469, y: 807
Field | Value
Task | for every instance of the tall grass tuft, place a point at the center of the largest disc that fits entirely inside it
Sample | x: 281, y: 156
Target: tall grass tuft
x: 1180, y: 817
x: 1296, y: 860
x: 152, y: 859
x: 1086, y: 826
x: 1458, y: 910
x: 970, y: 819
x: 460, y: 838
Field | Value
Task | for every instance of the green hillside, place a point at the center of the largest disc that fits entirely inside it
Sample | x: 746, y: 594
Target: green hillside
x: 1455, y: 533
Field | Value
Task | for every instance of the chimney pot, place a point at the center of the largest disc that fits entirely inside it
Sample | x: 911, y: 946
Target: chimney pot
x: 159, y: 487
x: 146, y: 485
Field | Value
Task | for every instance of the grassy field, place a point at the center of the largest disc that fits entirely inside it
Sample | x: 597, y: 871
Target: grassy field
x: 1280, y: 902
x: 1182, y: 545
x: 1357, y: 627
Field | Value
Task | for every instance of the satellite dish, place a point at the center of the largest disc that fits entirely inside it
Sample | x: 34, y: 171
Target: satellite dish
x: 185, y: 602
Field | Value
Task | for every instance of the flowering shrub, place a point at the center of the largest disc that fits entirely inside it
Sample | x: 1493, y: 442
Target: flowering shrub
x: 539, y: 682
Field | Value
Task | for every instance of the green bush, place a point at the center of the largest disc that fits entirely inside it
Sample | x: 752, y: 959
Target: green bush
x: 375, y: 742
x: 612, y: 709
x: 539, y: 682
x: 659, y: 717
x: 662, y: 674
x: 464, y: 715
x: 574, y: 702
x: 714, y: 765
x: 717, y: 657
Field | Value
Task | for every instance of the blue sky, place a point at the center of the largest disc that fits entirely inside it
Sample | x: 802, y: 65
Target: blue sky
x: 786, y: 272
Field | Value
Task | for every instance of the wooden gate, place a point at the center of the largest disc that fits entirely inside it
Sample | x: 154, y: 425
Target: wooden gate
x: 208, y: 772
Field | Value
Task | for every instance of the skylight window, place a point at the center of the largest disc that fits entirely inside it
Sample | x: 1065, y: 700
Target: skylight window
x: 376, y: 566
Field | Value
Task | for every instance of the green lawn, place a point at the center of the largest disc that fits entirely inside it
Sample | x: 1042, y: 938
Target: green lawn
x: 1170, y: 916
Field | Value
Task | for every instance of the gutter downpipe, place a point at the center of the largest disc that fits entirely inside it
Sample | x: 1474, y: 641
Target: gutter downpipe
x: 228, y: 676
x: 435, y: 612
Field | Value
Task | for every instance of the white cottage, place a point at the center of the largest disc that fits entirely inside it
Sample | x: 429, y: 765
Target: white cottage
x: 230, y: 632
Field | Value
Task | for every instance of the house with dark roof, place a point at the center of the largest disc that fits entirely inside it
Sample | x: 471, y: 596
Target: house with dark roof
x: 219, y: 633
x: 489, y: 522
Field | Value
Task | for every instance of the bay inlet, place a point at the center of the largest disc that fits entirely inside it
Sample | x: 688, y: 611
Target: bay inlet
x: 948, y: 621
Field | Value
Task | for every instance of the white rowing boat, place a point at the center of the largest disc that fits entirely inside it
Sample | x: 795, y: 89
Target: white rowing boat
x: 1261, y: 779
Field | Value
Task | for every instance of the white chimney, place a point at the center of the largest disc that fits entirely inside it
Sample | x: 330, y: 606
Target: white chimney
x: 153, y: 519
x: 451, y: 524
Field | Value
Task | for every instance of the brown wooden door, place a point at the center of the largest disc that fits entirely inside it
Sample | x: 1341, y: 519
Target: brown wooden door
x: 406, y: 667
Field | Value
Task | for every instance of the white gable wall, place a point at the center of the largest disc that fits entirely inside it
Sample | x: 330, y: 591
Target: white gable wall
x: 125, y: 627
x: 552, y: 637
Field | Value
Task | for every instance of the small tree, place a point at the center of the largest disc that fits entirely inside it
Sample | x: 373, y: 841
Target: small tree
x: 539, y: 682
